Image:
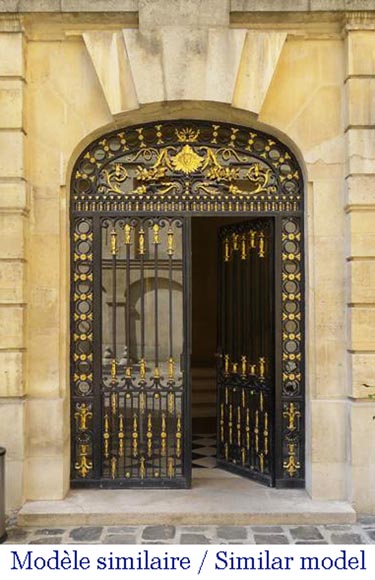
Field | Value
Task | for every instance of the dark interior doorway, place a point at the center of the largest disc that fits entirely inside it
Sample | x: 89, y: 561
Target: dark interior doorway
x: 205, y: 231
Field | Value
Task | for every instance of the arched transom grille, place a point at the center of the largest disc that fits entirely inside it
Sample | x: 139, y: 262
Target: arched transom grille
x: 185, y: 166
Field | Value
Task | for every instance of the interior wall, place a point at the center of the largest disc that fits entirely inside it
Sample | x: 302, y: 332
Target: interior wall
x: 205, y: 231
x: 205, y: 255
x: 204, y: 290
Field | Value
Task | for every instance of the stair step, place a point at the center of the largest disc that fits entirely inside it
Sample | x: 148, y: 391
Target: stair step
x: 204, y: 411
x: 204, y: 397
x: 217, y: 497
x: 211, y: 387
x: 203, y: 372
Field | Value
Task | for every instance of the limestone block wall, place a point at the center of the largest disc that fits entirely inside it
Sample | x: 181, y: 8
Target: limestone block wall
x: 360, y: 255
x: 65, y: 80
x: 14, y: 217
x: 65, y: 104
x: 305, y: 101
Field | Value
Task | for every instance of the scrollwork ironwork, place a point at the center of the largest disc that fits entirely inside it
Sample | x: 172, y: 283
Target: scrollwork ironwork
x: 148, y: 167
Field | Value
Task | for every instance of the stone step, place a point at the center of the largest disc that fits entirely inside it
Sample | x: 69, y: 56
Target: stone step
x: 216, y: 497
x: 204, y: 411
x: 203, y: 372
x: 204, y: 397
x: 203, y: 391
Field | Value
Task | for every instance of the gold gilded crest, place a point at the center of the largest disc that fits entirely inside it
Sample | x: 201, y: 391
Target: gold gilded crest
x: 187, y: 160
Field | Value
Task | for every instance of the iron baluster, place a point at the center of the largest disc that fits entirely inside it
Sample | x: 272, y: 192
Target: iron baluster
x: 156, y: 242
x: 141, y: 252
x: 114, y: 250
x: 128, y: 230
x: 170, y: 251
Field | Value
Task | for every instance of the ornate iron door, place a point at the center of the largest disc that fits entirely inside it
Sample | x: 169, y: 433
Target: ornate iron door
x: 139, y: 351
x: 130, y: 279
x: 246, y: 338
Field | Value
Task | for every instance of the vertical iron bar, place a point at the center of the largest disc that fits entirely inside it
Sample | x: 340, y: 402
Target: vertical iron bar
x: 234, y: 307
x: 245, y: 304
x: 159, y: 433
x: 231, y: 307
x: 131, y: 434
x: 113, y: 422
x: 277, y: 429
x: 238, y: 330
x: 172, y: 363
x: 238, y: 305
x: 186, y: 408
x: 97, y: 347
x: 114, y: 300
x: 257, y: 329
x: 222, y: 300
x: 170, y: 279
x: 222, y: 266
x: 141, y: 249
x: 154, y: 436
x: 251, y: 314
x: 249, y: 302
x: 142, y: 303
x: 127, y: 421
x: 270, y: 346
x: 263, y: 314
x: 270, y: 305
x: 127, y: 311
x: 156, y: 284
x: 219, y: 330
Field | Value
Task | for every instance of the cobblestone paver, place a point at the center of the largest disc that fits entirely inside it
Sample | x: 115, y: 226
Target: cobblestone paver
x: 362, y: 532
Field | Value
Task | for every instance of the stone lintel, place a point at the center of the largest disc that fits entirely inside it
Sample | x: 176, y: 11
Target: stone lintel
x: 192, y: 7
x: 27, y: 6
x: 301, y: 5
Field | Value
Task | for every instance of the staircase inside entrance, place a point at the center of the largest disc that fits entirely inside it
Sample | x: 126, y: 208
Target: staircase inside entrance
x: 204, y: 417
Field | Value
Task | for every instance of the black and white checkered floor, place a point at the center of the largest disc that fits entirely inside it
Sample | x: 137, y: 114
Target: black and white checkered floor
x: 204, y: 451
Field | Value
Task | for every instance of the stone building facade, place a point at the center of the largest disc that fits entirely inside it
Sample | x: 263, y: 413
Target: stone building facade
x: 302, y: 70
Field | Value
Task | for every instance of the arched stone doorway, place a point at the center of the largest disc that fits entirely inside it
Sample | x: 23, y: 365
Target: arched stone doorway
x: 134, y: 195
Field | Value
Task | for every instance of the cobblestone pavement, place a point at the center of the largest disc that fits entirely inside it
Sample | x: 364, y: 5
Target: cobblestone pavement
x: 362, y: 532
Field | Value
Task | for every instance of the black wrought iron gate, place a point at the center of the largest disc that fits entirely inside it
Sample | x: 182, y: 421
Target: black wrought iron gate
x: 140, y: 337
x: 246, y: 382
x: 133, y: 194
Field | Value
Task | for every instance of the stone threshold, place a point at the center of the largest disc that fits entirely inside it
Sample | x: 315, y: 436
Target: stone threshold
x: 215, y: 498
